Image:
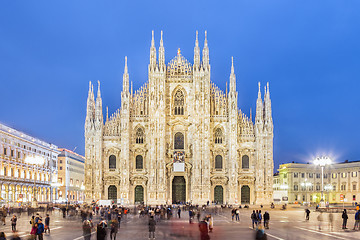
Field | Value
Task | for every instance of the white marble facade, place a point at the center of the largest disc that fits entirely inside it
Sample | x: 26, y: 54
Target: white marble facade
x: 226, y: 157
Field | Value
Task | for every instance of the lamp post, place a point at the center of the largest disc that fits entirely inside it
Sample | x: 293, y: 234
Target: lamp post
x: 34, y: 160
x: 322, y: 162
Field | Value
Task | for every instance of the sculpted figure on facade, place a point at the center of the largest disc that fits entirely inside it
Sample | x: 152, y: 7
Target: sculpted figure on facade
x: 221, y: 154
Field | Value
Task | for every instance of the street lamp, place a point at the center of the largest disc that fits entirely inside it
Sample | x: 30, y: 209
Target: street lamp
x: 322, y: 162
x: 34, y: 160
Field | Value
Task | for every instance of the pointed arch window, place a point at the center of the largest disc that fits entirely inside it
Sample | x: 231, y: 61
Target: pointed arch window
x: 218, y: 136
x: 218, y: 162
x: 139, y: 136
x: 179, y: 102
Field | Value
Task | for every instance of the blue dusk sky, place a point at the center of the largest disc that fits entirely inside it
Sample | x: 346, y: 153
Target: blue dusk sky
x: 309, y: 52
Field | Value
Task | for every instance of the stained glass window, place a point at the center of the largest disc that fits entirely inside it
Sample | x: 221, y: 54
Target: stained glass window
x: 179, y: 141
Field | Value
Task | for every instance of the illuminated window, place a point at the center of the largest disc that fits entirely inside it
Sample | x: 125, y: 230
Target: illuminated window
x: 218, y: 136
x: 139, y: 136
x: 179, y: 102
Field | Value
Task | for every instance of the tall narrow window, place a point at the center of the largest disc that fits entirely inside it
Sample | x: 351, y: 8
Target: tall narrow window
x: 179, y: 102
x: 218, y: 162
x: 140, y: 136
x: 179, y: 141
x: 139, y: 162
x: 218, y: 136
x: 245, y: 162
x: 112, y: 162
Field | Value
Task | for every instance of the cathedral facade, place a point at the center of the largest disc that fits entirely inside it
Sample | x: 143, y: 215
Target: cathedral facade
x: 179, y: 138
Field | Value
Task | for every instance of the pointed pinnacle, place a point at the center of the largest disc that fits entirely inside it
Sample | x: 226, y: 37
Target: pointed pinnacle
x: 232, y: 64
x: 152, y: 38
x: 205, y: 43
x: 98, y: 93
x: 259, y: 93
x: 161, y: 38
x: 197, y: 39
x: 126, y: 67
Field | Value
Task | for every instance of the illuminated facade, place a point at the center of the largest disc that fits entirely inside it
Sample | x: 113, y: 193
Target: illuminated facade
x: 70, y: 176
x: 17, y: 177
x: 302, y: 182
x: 179, y: 138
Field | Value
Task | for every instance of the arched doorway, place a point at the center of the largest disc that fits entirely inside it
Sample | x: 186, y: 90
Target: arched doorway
x: 245, y: 194
x: 112, y: 193
x: 219, y: 194
x: 139, y: 194
x: 178, y: 189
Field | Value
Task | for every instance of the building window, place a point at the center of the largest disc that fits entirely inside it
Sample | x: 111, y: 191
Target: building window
x: 311, y: 175
x: 179, y: 102
x: 60, y: 161
x: 354, y: 186
x: 112, y: 162
x: 60, y: 180
x: 12, y: 153
x: 179, y: 141
x: 334, y: 187
x: 112, y: 192
x: 60, y: 168
x: 285, y: 175
x: 18, y: 154
x: 343, y: 174
x: 311, y: 188
x: 354, y: 174
x: 218, y: 162
x: 296, y: 187
x: 334, y: 175
x: 325, y: 175
x: 343, y: 187
x: 140, y: 136
x: 318, y: 175
x: 245, y: 162
x: 5, y: 171
x: 5, y: 151
x: 296, y: 197
x: 218, y: 136
x: 317, y: 187
x: 302, y: 175
x: 296, y: 175
x: 71, y: 182
x: 139, y: 162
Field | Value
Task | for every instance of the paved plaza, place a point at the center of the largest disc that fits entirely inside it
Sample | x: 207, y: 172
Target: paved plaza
x: 288, y: 224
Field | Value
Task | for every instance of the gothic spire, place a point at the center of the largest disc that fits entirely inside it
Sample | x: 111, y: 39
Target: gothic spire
x: 90, y: 103
x: 259, y: 108
x: 98, y: 106
x: 126, y: 77
x: 205, y: 56
x: 152, y: 52
x: 267, y: 102
x: 161, y: 52
x: 232, y: 77
x: 196, y: 52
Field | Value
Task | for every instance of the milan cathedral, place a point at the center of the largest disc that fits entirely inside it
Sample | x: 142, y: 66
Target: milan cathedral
x: 179, y: 138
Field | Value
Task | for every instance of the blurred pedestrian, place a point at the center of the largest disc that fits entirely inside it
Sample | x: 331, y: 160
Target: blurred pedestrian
x: 15, y: 236
x: 203, y: 227
x: 331, y: 221
x: 47, y: 223
x: 253, y: 219
x: 211, y: 223
x: 266, y: 220
x: 2, y: 236
x: 345, y: 218
x: 87, y: 227
x: 113, y: 229
x: 320, y: 219
x: 237, y: 214
x: 13, y: 223
x: 260, y: 233
x: 40, y: 229
x: 152, y: 224
x: 357, y: 220
x: 101, y: 230
x: 307, y: 212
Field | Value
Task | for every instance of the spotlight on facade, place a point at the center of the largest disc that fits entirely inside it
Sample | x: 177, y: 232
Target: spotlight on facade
x: 322, y: 162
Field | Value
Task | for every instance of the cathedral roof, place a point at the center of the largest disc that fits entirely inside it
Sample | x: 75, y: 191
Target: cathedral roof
x: 179, y: 67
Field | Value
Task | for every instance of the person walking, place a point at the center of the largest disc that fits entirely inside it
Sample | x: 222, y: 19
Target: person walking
x: 259, y: 217
x: 203, y: 227
x: 179, y: 212
x: 266, y: 220
x: 101, y: 230
x: 47, y: 223
x: 211, y: 223
x: 331, y: 221
x: 152, y: 224
x: 113, y: 229
x: 3, y: 215
x: 40, y: 229
x: 2, y: 236
x: 13, y: 223
x: 345, y: 218
x: 357, y: 220
x: 307, y: 212
x: 253, y: 219
x: 320, y: 219
x: 232, y: 214
x: 87, y: 227
x: 237, y: 214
